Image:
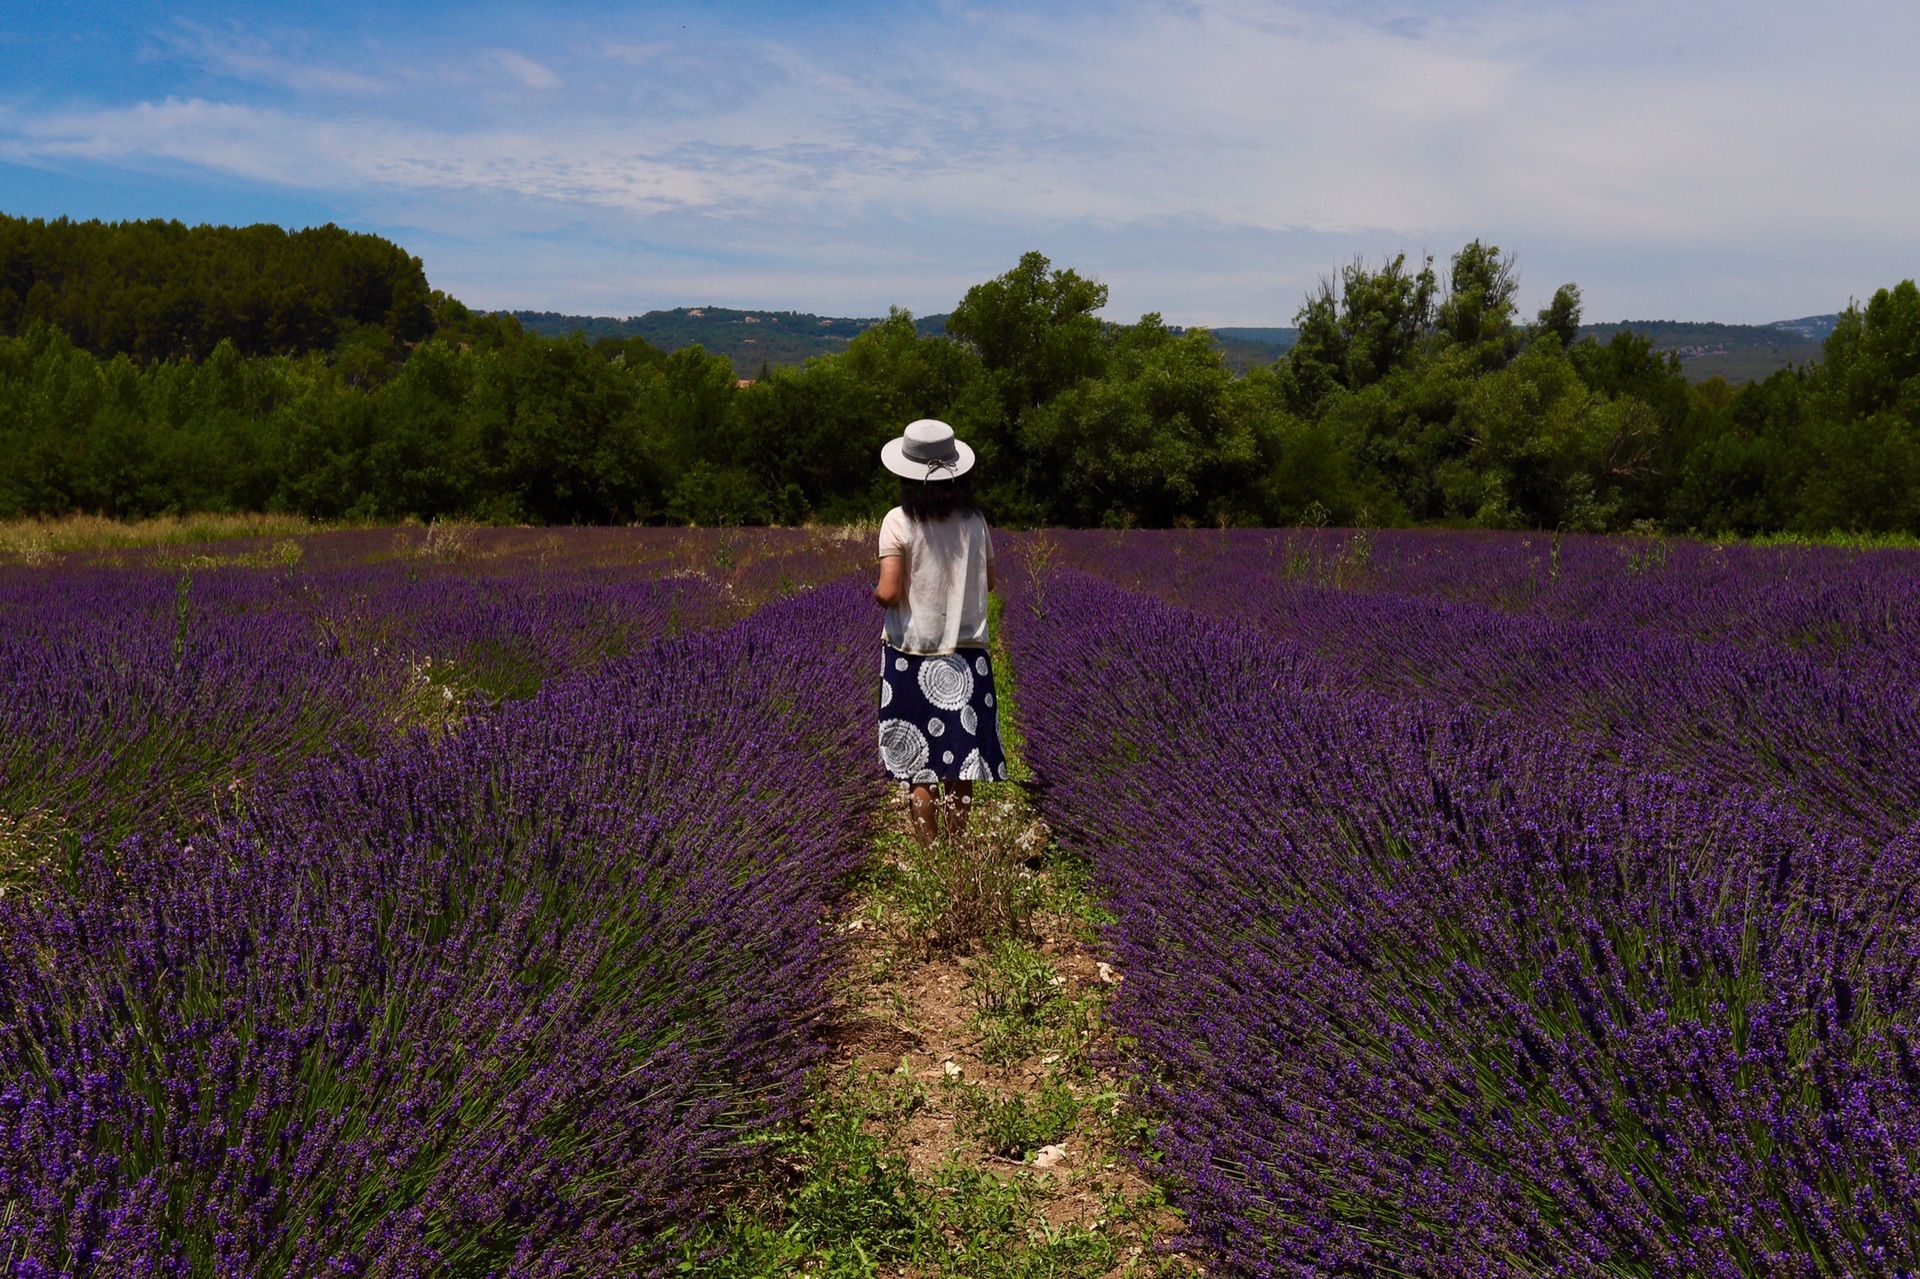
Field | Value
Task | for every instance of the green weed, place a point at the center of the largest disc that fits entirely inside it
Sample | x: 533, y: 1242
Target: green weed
x: 970, y: 885
x: 1020, y: 1005
x: 854, y: 1209
x: 1012, y: 1126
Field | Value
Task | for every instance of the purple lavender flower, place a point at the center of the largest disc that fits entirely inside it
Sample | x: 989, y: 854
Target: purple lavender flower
x: 1466, y: 932
x: 511, y: 993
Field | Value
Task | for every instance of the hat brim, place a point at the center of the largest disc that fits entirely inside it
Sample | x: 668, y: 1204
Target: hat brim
x: 893, y: 456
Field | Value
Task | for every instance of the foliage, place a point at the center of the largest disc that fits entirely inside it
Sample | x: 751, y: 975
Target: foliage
x: 969, y: 885
x: 1014, y: 1126
x: 1412, y: 395
x: 1020, y: 1006
x: 163, y: 291
x: 856, y: 1211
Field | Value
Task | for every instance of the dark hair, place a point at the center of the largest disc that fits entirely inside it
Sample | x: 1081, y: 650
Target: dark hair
x: 925, y: 500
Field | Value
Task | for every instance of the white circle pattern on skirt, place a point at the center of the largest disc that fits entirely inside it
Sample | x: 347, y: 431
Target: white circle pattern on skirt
x: 899, y: 663
x: 946, y: 757
x: 988, y: 699
x: 975, y: 769
x: 886, y: 694
x: 902, y: 747
x: 946, y: 681
x: 970, y: 720
x: 936, y: 726
x: 980, y: 664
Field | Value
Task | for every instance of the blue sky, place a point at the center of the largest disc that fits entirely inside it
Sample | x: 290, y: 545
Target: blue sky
x: 1713, y: 160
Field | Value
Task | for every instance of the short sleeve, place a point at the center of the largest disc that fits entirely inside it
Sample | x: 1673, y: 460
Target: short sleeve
x: 893, y: 533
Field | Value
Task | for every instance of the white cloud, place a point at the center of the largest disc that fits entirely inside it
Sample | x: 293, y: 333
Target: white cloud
x: 244, y: 56
x: 1207, y: 158
x: 524, y: 69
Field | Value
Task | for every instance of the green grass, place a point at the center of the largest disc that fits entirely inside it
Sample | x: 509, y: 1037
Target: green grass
x: 1850, y: 541
x: 1013, y: 1126
x: 1021, y: 1007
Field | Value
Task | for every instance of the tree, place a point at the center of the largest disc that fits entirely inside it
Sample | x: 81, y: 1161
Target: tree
x: 1480, y: 292
x: 1562, y: 316
x: 1153, y: 440
x: 162, y: 291
x: 1034, y: 330
x: 1356, y: 336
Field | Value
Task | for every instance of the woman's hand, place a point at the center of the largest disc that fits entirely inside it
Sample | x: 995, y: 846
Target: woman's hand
x: 893, y: 580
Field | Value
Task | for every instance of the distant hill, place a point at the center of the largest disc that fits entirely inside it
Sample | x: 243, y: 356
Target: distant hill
x: 780, y: 339
x: 1814, y: 328
x: 1282, y: 338
x: 748, y: 338
x: 1242, y: 348
x: 1736, y: 352
x: 777, y: 339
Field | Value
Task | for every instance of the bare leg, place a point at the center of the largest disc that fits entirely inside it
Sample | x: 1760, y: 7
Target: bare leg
x: 921, y: 814
x: 956, y: 801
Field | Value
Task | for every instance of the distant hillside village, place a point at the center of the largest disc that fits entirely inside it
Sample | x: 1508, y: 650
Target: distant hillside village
x: 757, y: 340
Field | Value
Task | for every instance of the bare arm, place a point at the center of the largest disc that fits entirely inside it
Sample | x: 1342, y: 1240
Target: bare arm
x: 893, y: 581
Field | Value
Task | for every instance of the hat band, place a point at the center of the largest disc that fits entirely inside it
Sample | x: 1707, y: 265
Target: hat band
x: 934, y: 457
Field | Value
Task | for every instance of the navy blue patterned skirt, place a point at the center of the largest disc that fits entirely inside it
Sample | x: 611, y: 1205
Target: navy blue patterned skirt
x: 938, y: 722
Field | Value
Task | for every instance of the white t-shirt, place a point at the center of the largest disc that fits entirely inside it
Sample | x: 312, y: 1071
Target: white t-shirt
x: 946, y: 565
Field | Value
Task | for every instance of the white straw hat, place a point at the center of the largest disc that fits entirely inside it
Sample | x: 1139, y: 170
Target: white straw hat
x: 926, y: 450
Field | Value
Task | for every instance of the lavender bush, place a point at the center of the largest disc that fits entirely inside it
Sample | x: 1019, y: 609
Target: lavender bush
x: 1795, y: 667
x: 140, y: 687
x: 1453, y: 947
x: 506, y: 996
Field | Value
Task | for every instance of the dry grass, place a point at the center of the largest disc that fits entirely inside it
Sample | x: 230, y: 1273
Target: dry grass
x: 27, y: 844
x: 974, y: 885
x: 38, y: 541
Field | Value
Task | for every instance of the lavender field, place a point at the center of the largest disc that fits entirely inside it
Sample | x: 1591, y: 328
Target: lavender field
x: 423, y: 902
x: 393, y: 907
x: 1497, y: 905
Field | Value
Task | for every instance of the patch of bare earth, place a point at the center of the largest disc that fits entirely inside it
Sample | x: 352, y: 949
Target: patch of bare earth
x: 930, y: 1018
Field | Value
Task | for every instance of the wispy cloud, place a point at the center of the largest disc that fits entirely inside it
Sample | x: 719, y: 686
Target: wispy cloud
x: 529, y: 73
x: 242, y: 55
x: 1208, y: 157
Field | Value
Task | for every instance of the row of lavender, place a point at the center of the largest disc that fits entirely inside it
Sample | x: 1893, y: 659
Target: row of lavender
x: 1430, y: 972
x: 1793, y: 668
x: 1832, y: 600
x: 316, y: 979
x: 146, y: 687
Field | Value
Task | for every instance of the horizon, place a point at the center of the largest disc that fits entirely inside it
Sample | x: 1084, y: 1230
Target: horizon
x: 1207, y: 160
x: 1226, y: 325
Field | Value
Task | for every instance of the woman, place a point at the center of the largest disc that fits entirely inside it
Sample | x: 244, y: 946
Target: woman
x: 939, y: 727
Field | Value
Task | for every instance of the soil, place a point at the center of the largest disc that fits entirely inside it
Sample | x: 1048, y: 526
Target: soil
x: 906, y: 1007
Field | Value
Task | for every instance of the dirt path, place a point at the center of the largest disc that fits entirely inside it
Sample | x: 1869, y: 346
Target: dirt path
x: 965, y: 1124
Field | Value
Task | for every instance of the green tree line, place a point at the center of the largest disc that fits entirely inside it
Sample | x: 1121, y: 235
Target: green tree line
x: 163, y: 291
x: 1414, y: 395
